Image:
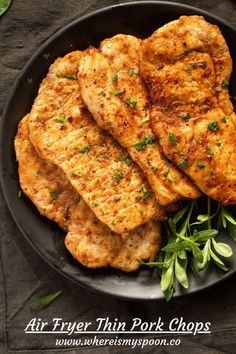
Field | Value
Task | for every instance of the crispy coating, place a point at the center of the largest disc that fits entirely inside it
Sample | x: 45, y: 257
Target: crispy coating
x: 116, y: 95
x: 186, y: 65
x: 64, y: 133
x: 91, y: 242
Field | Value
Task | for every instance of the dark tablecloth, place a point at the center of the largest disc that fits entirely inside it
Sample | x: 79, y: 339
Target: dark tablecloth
x: 24, y: 276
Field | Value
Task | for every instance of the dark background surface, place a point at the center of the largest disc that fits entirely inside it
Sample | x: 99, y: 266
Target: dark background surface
x: 24, y: 276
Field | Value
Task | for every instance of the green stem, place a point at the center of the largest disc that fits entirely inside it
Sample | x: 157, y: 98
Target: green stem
x: 186, y: 223
x: 209, y: 212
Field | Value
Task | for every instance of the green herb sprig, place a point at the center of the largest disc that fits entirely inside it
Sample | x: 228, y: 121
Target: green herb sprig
x: 191, y: 244
x: 45, y: 301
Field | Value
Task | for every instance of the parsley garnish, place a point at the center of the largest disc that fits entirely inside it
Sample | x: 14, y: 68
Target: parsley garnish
x: 67, y: 76
x: 85, y: 149
x: 119, y: 176
x: 223, y: 119
x: 225, y: 83
x: 131, y: 103
x: 95, y: 203
x: 188, y: 68
x: 62, y: 119
x: 172, y: 139
x: 185, y: 116
x: 124, y: 158
x: 153, y: 168
x: 203, y: 65
x: 46, y: 56
x: 201, y: 165
x: 55, y: 195
x: 147, y: 195
x: 143, y: 143
x: 117, y: 92
x: 183, y: 164
x: 115, y: 78
x: 213, y: 126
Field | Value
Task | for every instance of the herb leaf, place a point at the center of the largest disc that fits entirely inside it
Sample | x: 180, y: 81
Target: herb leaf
x: 4, y: 5
x: 45, y: 301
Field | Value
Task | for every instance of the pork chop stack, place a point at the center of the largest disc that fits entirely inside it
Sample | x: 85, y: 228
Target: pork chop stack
x: 118, y: 135
x: 187, y: 66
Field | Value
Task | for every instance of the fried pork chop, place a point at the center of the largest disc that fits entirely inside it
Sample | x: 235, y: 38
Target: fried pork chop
x: 64, y: 133
x: 91, y: 242
x: 116, y: 95
x: 186, y: 65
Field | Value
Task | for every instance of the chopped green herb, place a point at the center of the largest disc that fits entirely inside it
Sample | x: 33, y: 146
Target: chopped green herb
x: 69, y: 77
x: 119, y: 176
x: 74, y: 174
x: 203, y: 65
x: 143, y: 143
x: 225, y: 83
x: 193, y: 65
x: 213, y: 126
x: 95, y: 203
x: 223, y: 119
x: 185, y: 116
x: 62, y: 119
x: 117, y: 92
x: 153, y: 168
x: 85, y: 149
x: 183, y: 163
x: 19, y: 193
x: 30, y: 80
x: 45, y: 301
x: 210, y: 152
x: 142, y: 188
x: 218, y: 143
x: 188, y: 68
x: 128, y: 161
x: 114, y: 143
x: 165, y: 174
x: 55, y: 195
x: 172, y: 139
x: 147, y: 195
x: 46, y: 56
x: 84, y: 174
x: 115, y: 78
x: 131, y: 103
x: 201, y: 165
x: 121, y: 158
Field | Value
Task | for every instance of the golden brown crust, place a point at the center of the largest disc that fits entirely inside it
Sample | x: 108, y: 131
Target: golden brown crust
x: 91, y: 242
x: 187, y: 66
x: 64, y: 133
x: 116, y: 95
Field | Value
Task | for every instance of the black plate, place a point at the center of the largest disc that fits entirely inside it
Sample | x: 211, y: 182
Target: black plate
x: 140, y: 19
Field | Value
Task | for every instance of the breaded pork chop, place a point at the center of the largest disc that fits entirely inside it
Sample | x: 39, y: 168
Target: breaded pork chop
x: 64, y: 133
x: 89, y: 241
x: 116, y: 95
x: 187, y: 66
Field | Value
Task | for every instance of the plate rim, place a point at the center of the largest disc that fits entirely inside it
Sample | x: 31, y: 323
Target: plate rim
x: 4, y: 114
